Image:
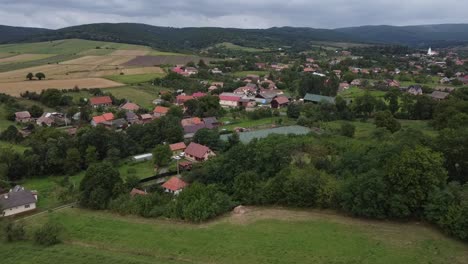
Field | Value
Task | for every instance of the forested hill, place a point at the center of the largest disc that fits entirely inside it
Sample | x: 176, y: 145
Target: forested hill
x: 425, y: 35
x: 167, y: 38
x: 16, y: 34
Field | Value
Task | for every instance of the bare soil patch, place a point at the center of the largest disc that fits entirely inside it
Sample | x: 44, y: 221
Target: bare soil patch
x: 16, y: 88
x: 99, y: 60
x: 163, y: 60
x: 24, y: 57
x: 130, y: 53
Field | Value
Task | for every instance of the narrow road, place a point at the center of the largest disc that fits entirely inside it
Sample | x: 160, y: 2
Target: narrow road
x: 46, y: 211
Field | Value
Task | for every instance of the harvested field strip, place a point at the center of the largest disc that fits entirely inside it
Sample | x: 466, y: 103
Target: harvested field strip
x: 99, y: 60
x: 73, y: 71
x: 130, y: 53
x: 16, y: 88
x: 24, y: 57
x: 164, y: 60
x: 34, y: 63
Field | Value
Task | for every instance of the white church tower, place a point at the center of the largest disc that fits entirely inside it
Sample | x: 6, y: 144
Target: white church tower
x: 429, y: 52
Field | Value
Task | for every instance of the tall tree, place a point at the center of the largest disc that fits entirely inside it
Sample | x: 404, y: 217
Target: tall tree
x: 99, y: 185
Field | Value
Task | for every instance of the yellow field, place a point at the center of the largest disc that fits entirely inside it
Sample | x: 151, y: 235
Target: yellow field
x: 24, y: 57
x: 99, y: 60
x: 16, y: 88
x: 84, y: 67
x: 130, y: 53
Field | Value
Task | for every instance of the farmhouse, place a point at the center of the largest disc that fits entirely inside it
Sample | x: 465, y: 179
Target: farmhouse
x: 160, y: 111
x: 130, y: 107
x: 229, y: 100
x: 17, y: 201
x: 181, y: 99
x: 107, y: 117
x: 131, y: 117
x: 49, y: 119
x: 177, y: 148
x: 101, y: 101
x: 315, y: 98
x: 146, y: 118
x: 174, y: 185
x: 197, y: 152
x: 439, y: 96
x: 280, y: 101
x: 23, y: 117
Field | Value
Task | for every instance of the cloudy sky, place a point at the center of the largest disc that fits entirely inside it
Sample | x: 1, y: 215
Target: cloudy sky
x: 232, y: 13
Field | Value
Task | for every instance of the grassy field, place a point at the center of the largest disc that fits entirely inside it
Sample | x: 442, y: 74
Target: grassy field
x: 364, y: 129
x: 232, y: 46
x: 142, y: 95
x: 136, y: 78
x: 260, y: 123
x: 68, y: 46
x: 142, y: 169
x: 354, y: 92
x: 164, y: 53
x: 245, y: 73
x: 262, y: 235
x: 4, y: 122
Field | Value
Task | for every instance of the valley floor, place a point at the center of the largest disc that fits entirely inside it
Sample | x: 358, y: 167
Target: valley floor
x: 261, y: 235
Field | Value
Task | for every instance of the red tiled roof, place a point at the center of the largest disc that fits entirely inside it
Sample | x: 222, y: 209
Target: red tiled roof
x: 183, y: 98
x: 23, y: 114
x: 198, y: 94
x: 178, y: 146
x: 282, y: 100
x: 103, y: 118
x: 161, y: 110
x: 137, y: 192
x: 108, y: 116
x: 130, y: 107
x: 197, y: 150
x: 191, y: 121
x: 100, y: 100
x: 174, y: 184
x: 229, y: 98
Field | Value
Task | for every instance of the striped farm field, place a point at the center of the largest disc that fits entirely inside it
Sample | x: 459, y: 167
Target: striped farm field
x: 24, y: 57
x: 16, y: 88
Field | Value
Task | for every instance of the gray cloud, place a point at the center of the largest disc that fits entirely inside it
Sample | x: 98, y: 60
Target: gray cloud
x: 232, y: 13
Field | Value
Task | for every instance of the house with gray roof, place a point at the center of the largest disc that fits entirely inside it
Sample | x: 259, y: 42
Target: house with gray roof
x: 18, y: 200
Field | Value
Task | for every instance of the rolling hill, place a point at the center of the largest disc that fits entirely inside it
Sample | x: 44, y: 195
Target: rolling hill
x: 17, y: 34
x: 188, y: 39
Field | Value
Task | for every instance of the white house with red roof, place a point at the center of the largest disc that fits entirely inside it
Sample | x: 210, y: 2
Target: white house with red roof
x: 229, y: 100
x: 174, y: 185
x: 107, y: 117
x: 177, y: 148
x: 160, y: 111
x: 100, y: 101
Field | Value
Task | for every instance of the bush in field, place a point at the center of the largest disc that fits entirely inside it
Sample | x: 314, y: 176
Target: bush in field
x: 48, y: 234
x: 347, y: 130
x: 200, y: 202
x: 14, y: 231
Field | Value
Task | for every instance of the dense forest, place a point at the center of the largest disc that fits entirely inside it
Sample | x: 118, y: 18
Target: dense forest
x: 186, y: 39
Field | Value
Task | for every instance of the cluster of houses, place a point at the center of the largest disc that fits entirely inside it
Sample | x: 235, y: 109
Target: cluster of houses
x: 16, y: 201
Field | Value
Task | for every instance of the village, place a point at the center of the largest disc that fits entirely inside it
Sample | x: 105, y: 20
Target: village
x: 434, y: 76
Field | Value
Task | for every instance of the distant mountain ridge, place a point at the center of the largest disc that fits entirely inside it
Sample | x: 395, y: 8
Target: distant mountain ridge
x: 168, y: 38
